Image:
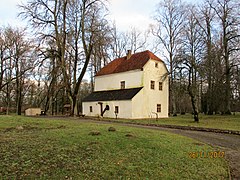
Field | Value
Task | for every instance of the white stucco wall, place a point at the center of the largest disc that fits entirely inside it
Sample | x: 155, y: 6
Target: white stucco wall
x: 140, y: 109
x: 132, y: 79
x: 154, y: 97
x: 32, y: 111
x: 125, y: 109
x: 95, y: 107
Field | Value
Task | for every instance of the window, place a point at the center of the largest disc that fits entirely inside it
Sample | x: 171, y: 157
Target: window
x: 90, y: 108
x: 122, y: 84
x: 152, y: 84
x: 156, y: 65
x: 116, y: 110
x: 160, y: 86
x: 158, y: 108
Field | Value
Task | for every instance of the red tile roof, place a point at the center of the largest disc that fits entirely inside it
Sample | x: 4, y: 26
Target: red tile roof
x: 136, y: 61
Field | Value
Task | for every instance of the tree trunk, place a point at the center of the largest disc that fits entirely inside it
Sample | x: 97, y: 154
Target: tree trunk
x: 192, y: 91
x: 194, y: 107
x: 19, y: 85
x: 172, y: 88
x: 209, y: 79
x: 227, y: 109
x: 228, y: 93
x: 8, y: 99
x: 19, y: 102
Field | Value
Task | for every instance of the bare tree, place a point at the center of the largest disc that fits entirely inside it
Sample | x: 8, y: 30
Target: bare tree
x: 119, y: 43
x: 205, y: 21
x: 48, y: 20
x: 193, y: 45
x: 227, y: 13
x: 3, y: 57
x: 137, y: 40
x: 170, y: 16
x: 16, y: 61
x: 23, y: 62
x: 90, y: 26
x: 72, y: 26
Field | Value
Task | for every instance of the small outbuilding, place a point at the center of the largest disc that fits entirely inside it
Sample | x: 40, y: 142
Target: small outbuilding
x: 67, y: 109
x: 33, y: 112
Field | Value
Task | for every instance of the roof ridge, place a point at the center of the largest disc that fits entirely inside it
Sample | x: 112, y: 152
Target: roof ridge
x: 136, y: 61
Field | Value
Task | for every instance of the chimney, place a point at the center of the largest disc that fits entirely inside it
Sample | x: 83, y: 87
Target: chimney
x: 129, y: 54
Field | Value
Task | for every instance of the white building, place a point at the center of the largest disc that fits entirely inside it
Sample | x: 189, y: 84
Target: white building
x: 32, y: 111
x: 134, y: 86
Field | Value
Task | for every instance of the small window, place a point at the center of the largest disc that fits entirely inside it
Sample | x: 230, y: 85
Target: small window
x: 156, y: 65
x: 152, y: 84
x: 116, y: 110
x: 160, y: 86
x: 90, y: 108
x: 158, y: 108
x: 122, y: 84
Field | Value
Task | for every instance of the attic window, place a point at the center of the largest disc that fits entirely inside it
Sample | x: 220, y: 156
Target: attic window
x: 122, y: 84
x: 156, y: 65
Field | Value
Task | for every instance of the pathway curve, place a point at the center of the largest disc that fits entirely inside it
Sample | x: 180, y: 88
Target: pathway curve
x: 227, y: 142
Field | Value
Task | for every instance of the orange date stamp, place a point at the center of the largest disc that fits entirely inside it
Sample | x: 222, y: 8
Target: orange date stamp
x: 210, y: 154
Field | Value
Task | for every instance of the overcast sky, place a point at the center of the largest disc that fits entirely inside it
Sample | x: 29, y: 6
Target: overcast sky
x: 8, y: 13
x: 132, y: 13
x: 126, y: 13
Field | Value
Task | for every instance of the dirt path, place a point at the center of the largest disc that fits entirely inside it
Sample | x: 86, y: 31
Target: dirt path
x: 227, y: 142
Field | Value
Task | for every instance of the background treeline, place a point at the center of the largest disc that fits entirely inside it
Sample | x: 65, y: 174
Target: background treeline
x: 45, y: 65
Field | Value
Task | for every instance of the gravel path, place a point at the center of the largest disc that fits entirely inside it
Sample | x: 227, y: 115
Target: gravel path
x: 227, y: 142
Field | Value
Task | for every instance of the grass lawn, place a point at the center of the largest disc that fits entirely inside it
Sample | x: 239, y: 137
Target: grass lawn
x: 51, y: 149
x: 231, y: 122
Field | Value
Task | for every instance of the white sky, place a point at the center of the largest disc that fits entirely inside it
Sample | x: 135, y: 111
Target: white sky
x: 8, y: 13
x: 126, y: 13
x: 132, y: 13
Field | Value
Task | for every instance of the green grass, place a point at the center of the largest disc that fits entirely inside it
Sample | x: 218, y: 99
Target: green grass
x: 231, y: 122
x: 51, y: 149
